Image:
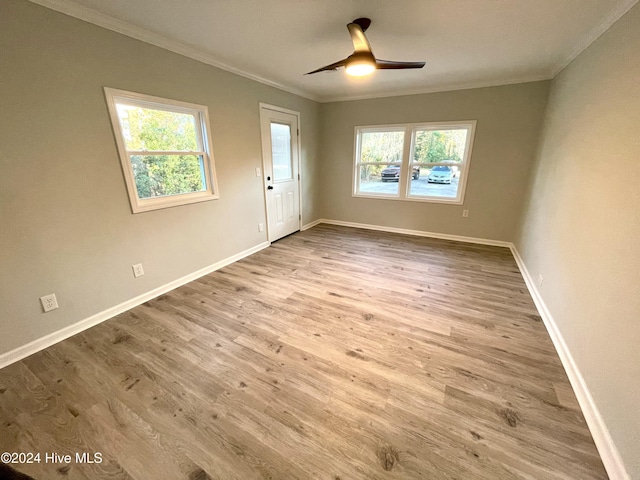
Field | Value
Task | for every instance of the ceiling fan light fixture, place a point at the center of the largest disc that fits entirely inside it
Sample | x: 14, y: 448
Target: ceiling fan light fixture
x: 360, y: 64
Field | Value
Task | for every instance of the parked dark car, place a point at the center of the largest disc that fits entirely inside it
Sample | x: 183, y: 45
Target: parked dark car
x: 392, y: 173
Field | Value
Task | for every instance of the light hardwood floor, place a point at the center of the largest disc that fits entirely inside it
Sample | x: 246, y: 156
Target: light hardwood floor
x: 335, y: 354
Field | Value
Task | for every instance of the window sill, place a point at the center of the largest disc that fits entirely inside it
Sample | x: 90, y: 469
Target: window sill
x: 174, y: 201
x: 442, y: 200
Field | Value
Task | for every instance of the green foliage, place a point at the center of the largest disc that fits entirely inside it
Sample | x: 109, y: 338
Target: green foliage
x: 158, y: 130
x: 147, y: 129
x: 382, y: 147
x: 160, y: 175
x: 433, y: 146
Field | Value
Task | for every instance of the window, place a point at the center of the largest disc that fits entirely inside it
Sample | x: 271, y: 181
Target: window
x: 378, y: 160
x: 164, y: 148
x: 433, y: 167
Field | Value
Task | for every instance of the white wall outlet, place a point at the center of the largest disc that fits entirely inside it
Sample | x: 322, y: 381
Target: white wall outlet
x: 465, y: 213
x: 261, y: 227
x: 138, y: 271
x: 258, y: 172
x: 49, y: 302
x: 540, y: 280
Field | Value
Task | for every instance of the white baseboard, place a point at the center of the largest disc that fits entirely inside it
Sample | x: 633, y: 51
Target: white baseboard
x: 606, y: 447
x: 310, y: 225
x: 419, y: 233
x: 41, y: 343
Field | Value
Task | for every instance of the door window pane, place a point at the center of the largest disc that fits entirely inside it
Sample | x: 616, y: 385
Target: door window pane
x: 281, y: 152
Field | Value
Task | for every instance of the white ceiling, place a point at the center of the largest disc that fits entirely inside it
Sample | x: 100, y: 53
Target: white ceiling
x: 466, y: 43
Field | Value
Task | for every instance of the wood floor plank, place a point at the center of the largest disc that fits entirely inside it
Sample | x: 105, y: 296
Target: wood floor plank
x: 335, y: 354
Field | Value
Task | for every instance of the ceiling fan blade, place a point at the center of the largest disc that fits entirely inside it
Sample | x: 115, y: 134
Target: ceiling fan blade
x: 358, y: 38
x: 333, y: 66
x: 391, y: 65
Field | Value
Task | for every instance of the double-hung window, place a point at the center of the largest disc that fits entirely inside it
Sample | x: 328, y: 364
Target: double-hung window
x: 426, y: 162
x: 164, y: 148
x: 379, y: 153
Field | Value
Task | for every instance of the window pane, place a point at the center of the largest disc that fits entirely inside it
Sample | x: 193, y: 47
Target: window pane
x: 438, y: 146
x: 281, y: 152
x: 438, y: 181
x: 150, y: 129
x: 433, y: 146
x: 382, y: 147
x: 161, y: 175
x: 379, y: 179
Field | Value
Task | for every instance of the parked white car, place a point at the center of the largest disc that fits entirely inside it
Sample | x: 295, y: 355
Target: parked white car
x: 440, y: 174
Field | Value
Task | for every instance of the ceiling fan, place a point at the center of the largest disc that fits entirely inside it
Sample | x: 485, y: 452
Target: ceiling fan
x: 361, y: 61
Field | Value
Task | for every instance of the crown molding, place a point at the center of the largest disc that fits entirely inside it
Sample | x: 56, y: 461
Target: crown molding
x: 614, y: 15
x: 90, y: 15
x: 125, y: 28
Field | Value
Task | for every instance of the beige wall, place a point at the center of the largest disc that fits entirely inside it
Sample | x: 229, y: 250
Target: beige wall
x: 581, y: 225
x: 509, y: 120
x: 65, y: 221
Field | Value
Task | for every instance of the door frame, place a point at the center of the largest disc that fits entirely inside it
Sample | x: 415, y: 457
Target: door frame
x: 266, y: 106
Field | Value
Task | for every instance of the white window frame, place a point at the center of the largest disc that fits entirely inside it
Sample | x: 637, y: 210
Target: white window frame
x: 203, y: 137
x: 358, y: 163
x: 404, y: 182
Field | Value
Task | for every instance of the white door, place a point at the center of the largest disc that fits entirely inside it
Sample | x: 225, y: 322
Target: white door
x: 281, y: 170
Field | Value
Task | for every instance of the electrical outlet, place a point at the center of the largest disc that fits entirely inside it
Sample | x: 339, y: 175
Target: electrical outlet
x: 465, y: 213
x: 49, y: 302
x: 138, y: 271
x: 261, y: 227
x: 258, y: 173
x: 540, y: 280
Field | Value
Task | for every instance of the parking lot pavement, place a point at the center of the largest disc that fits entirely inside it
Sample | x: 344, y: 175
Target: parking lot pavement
x: 418, y: 187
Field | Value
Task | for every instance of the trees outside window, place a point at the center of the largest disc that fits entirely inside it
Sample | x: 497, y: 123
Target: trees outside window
x: 164, y: 149
x: 433, y: 168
